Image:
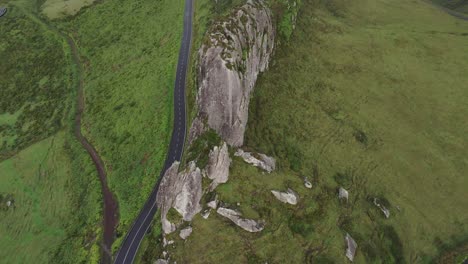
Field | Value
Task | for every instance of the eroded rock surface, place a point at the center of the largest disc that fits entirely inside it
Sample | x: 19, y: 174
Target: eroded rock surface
x: 218, y: 165
x: 182, y: 191
x: 237, y: 49
x: 258, y: 160
x: 290, y: 196
x: 246, y: 224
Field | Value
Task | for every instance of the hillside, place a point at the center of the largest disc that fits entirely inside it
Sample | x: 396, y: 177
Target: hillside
x: 365, y: 95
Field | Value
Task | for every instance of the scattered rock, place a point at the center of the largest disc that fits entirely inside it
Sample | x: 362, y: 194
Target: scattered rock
x: 246, y: 224
x: 161, y: 261
x: 8, y: 203
x: 166, y: 242
x: 213, y: 204
x: 164, y: 254
x: 351, y: 247
x: 307, y: 183
x: 343, y: 193
x: 206, y: 213
x: 182, y: 191
x: 290, y: 196
x: 384, y: 210
x: 263, y: 161
x: 184, y: 233
x: 237, y: 49
x: 218, y: 165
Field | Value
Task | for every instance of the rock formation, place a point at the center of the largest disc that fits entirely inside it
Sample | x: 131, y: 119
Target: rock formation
x: 184, y: 233
x: 382, y: 208
x: 351, y: 247
x: 246, y: 224
x: 343, y: 193
x: 182, y: 191
x: 307, y: 183
x: 290, y: 196
x: 262, y: 161
x: 236, y: 50
x: 218, y: 165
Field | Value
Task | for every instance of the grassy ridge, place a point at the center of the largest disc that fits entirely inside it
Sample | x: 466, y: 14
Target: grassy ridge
x: 129, y: 51
x: 374, y: 101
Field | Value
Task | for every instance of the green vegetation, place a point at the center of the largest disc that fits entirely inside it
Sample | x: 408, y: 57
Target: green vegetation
x: 54, y: 9
x: 54, y: 217
x: 54, y: 193
x: 456, y: 5
x: 374, y: 101
x: 129, y: 51
x: 34, y: 93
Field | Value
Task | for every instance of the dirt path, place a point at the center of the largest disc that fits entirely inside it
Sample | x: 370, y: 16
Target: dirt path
x: 110, y: 204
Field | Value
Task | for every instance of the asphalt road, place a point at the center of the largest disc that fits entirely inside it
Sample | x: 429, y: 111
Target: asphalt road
x: 132, y: 241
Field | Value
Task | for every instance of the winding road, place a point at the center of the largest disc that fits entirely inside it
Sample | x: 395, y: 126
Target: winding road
x: 132, y: 241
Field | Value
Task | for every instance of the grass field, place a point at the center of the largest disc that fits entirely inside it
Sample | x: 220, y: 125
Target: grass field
x: 129, y: 52
x: 34, y: 93
x: 54, y: 9
x: 55, y: 214
x: 375, y: 101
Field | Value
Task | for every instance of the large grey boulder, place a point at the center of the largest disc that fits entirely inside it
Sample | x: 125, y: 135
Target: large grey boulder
x: 218, y: 165
x: 290, y: 196
x: 258, y: 160
x: 182, y: 191
x: 236, y: 50
x: 246, y: 224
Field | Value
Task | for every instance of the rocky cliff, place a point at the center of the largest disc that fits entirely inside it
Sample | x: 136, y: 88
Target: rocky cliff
x: 236, y: 50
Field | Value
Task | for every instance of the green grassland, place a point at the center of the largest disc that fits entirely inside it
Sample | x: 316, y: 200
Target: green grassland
x: 54, y: 217
x: 55, y: 9
x: 35, y: 83
x: 129, y: 52
x: 368, y: 95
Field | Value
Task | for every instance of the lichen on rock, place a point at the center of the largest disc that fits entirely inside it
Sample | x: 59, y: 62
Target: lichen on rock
x: 236, y: 50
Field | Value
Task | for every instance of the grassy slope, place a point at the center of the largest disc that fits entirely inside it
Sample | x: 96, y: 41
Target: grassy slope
x: 129, y: 50
x: 374, y: 101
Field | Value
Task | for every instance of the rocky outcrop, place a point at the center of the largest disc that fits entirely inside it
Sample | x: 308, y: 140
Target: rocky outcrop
x: 307, y: 183
x: 343, y: 194
x: 258, y: 160
x: 218, y: 165
x: 351, y: 247
x: 182, y: 191
x: 236, y: 50
x: 290, y: 196
x: 246, y: 224
x: 186, y: 232
x: 382, y: 208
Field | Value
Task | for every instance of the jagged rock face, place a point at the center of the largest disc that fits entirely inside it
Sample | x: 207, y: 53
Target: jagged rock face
x: 218, y: 165
x: 246, y: 224
x: 183, y: 191
x: 187, y: 200
x: 290, y: 196
x: 238, y: 49
x: 264, y: 162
